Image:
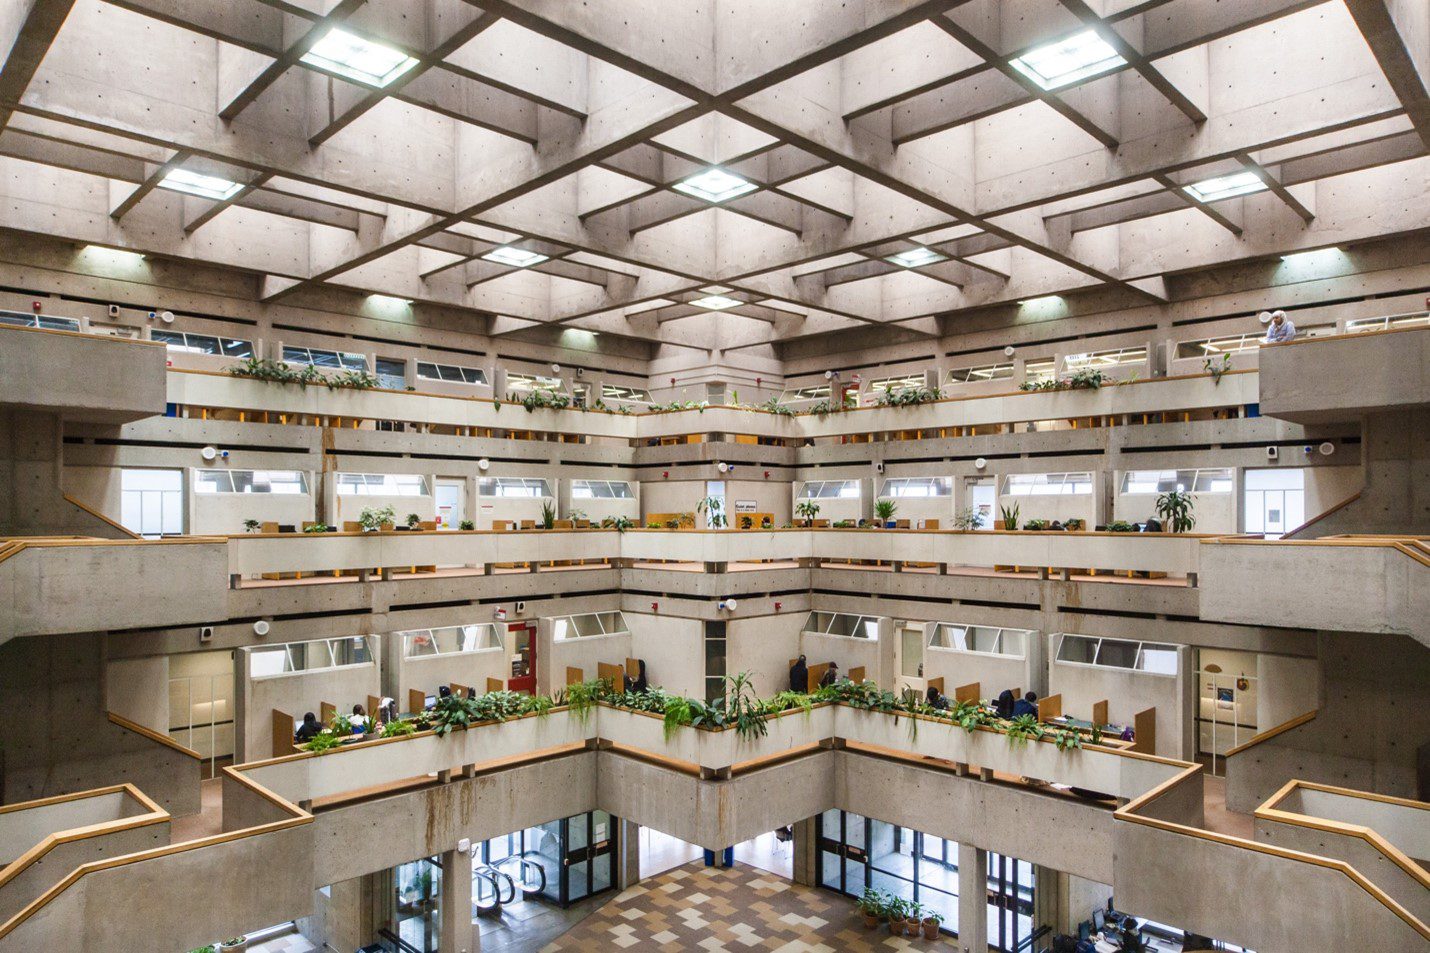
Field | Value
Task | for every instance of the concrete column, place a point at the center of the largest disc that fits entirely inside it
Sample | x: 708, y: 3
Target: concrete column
x: 563, y: 497
x: 628, y: 854
x: 805, y: 863
x: 972, y: 899
x: 459, y: 935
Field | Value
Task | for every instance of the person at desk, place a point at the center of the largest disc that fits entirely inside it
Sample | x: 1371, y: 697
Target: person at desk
x: 936, y: 700
x: 387, y: 710
x: 358, y: 719
x: 1027, y: 705
x: 1003, y: 704
x: 309, y: 729
x: 799, y: 676
x: 1130, y: 937
x: 444, y: 691
x: 1279, y: 328
x: 639, y: 683
x: 830, y: 676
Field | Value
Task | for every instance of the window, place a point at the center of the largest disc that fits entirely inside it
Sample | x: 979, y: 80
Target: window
x: 1044, y: 369
x: 1054, y: 65
x: 1165, y: 481
x: 588, y: 624
x: 915, y: 257
x: 993, y: 640
x: 1112, y: 358
x: 190, y: 343
x: 20, y: 319
x: 337, y: 360
x: 843, y: 624
x: 514, y: 487
x: 806, y: 393
x: 519, y: 383
x: 352, y: 57
x: 381, y: 484
x: 204, y: 186
x: 1225, y: 186
x: 308, y: 656
x: 622, y: 392
x: 714, y: 185
x: 1049, y: 484
x: 450, y: 373
x: 1390, y: 321
x: 1250, y: 341
x: 449, y: 640
x: 829, y: 490
x: 914, y: 487
x: 897, y: 383
x: 1155, y: 658
x: 601, y: 490
x: 984, y: 372
x: 151, y: 502
x: 250, y: 481
x: 391, y: 373
x: 1274, y: 501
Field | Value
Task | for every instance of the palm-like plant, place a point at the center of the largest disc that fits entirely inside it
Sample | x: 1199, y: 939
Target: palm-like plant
x: 806, y: 510
x: 885, y: 510
x: 714, y: 509
x: 1175, y: 508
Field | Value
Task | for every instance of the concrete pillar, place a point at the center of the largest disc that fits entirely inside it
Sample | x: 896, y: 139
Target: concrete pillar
x: 805, y: 862
x: 459, y: 934
x: 628, y: 854
x: 972, y: 899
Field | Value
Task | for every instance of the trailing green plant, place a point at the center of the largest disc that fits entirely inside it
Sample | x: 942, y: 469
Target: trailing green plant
x: 582, y: 697
x: 1096, y: 734
x: 714, y: 509
x: 1022, y: 729
x: 1121, y: 526
x: 548, y: 515
x: 1010, y: 516
x: 968, y: 519
x: 1217, y: 368
x: 317, y: 528
x: 541, y: 397
x: 676, y: 715
x: 278, y: 372
x: 373, y: 518
x: 1087, y: 379
x: 353, y: 380
x: 806, y: 510
x: 906, y: 396
x: 1175, y: 508
x: 774, y: 406
x: 251, y: 526
x: 1042, y: 383
x: 397, y: 728
x: 680, y: 405
x: 1036, y: 524
x: 324, y: 741
x: 826, y: 407
x: 970, y: 715
x: 1068, y: 739
x: 885, y: 509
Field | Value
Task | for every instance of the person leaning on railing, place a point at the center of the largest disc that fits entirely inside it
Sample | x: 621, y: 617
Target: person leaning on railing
x: 1279, y: 328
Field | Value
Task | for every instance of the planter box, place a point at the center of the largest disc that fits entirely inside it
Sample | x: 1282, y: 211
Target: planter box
x: 715, y: 749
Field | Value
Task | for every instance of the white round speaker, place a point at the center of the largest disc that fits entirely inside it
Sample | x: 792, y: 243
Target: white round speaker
x: 729, y: 605
x: 1327, y: 448
x: 1008, y: 351
x: 829, y: 375
x: 208, y: 453
x: 980, y: 463
x: 723, y: 467
x: 556, y: 368
x: 166, y: 316
x: 1264, y: 317
x: 261, y: 627
x: 483, y: 463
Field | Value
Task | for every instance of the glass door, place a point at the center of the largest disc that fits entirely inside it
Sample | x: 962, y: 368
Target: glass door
x: 450, y: 497
x: 981, y: 495
x: 590, y: 856
x: 522, y: 639
x: 151, y: 502
x: 418, y: 917
x: 1010, y: 902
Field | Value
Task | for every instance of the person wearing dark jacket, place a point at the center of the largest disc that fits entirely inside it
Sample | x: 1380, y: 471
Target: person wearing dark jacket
x: 936, y: 700
x: 639, y: 683
x: 1003, y: 705
x: 831, y: 675
x: 799, y: 676
x: 1027, y: 705
x: 309, y: 729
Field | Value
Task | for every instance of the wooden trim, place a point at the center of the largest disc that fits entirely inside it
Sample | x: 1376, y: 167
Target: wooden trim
x: 1346, y: 335
x: 1316, y: 519
x: 154, y: 815
x: 101, y: 517
x: 151, y: 734
x: 1270, y: 733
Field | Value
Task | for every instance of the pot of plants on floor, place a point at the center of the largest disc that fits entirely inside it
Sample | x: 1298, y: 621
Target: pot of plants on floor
x: 871, y: 907
x: 913, y: 917
x: 235, y: 944
x: 931, y: 922
x: 896, y: 909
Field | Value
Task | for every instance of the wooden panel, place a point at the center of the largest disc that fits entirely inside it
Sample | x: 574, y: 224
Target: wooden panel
x: 1099, y: 712
x: 494, y: 684
x: 856, y: 674
x: 1144, y: 729
x: 461, y: 690
x: 574, y: 676
x: 816, y: 675
x: 282, y: 733
x: 971, y: 692
x: 1050, y: 708
x: 416, y: 699
x: 327, y: 711
x: 937, y: 684
x: 373, y: 704
x: 930, y: 524
x: 615, y: 673
x: 633, y: 667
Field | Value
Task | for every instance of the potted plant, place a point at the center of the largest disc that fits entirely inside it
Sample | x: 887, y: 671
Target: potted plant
x: 931, y: 921
x: 714, y: 508
x: 1010, y: 516
x: 871, y: 906
x: 467, y: 524
x: 806, y: 510
x: 317, y: 528
x: 412, y: 520
x: 1175, y: 508
x: 1035, y: 525
x: 375, y: 518
x: 1121, y: 526
x: 896, y: 909
x: 234, y: 943
x: 1075, y: 525
x: 967, y: 520
x: 548, y: 515
x: 913, y: 916
x: 251, y: 526
x: 885, y: 510
x: 766, y: 523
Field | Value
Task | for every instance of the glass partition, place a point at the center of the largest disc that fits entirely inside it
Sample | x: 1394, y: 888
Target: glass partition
x: 1411, y: 320
x: 1109, y: 358
x: 518, y: 487
x: 1165, y: 481
x: 843, y: 624
x: 818, y: 392
x: 449, y: 640
x: 190, y: 343
x: 381, y: 484
x: 1048, y: 484
x: 588, y: 624
x: 450, y: 373
x: 623, y: 392
x: 525, y: 383
x: 983, y: 372
x: 250, y: 481
x: 309, y: 656
x: 829, y: 489
x: 20, y: 319
x: 337, y: 360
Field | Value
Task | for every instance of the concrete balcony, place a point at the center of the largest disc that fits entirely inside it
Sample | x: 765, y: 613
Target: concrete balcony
x: 1348, y: 584
x: 81, y: 376
x: 1339, y: 378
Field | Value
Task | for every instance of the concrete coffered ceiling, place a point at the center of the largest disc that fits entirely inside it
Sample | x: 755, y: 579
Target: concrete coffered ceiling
x: 856, y: 132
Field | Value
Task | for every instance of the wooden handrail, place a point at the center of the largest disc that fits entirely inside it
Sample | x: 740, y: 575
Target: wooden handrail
x: 154, y: 814
x: 1270, y: 733
x: 151, y: 734
x: 1316, y: 519
x: 101, y: 517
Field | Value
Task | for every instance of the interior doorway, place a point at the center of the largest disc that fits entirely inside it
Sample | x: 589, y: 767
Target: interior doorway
x: 451, y: 500
x: 521, y: 639
x: 981, y: 495
x: 151, y: 502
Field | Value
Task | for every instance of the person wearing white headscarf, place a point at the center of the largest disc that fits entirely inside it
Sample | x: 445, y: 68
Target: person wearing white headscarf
x: 1279, y: 328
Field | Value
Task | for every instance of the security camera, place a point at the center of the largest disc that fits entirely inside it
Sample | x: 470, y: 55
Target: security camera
x: 580, y: 371
x: 261, y: 627
x: 520, y: 608
x: 878, y: 466
x: 1273, y: 452
x: 206, y: 633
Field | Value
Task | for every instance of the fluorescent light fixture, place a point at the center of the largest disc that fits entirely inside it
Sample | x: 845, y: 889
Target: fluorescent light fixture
x: 1041, y: 300
x: 116, y: 256
x: 1067, y: 61
x: 204, y: 186
x: 354, y: 58
x: 388, y: 299
x: 1225, y: 186
x: 1305, y: 256
x: 716, y: 302
x: 714, y: 185
x: 915, y: 257
x: 516, y: 257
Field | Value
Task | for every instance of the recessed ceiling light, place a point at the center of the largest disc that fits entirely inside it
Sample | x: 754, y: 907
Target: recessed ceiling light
x: 1306, y: 256
x: 388, y: 299
x: 715, y: 185
x: 1067, y: 61
x: 1225, y: 186
x: 915, y: 257
x: 516, y: 257
x: 1041, y: 300
x: 354, y: 58
x: 716, y: 302
x: 205, y: 186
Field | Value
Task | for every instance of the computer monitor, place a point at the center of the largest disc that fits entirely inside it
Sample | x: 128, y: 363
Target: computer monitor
x: 1099, y: 921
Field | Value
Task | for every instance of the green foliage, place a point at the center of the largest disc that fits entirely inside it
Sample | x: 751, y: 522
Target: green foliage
x: 970, y: 715
x: 1067, y: 739
x: 541, y: 397
x: 1096, y: 734
x: 743, y: 708
x: 1085, y: 379
x: 548, y: 514
x: 1036, y: 524
x: 676, y: 715
x: 324, y: 741
x: 412, y: 520
x: 968, y: 519
x: 373, y: 518
x: 806, y: 510
x: 1217, y: 368
x: 1121, y: 526
x: 1010, y: 516
x: 467, y: 524
x: 398, y: 729
x: 885, y: 509
x: 774, y: 406
x: 582, y: 697
x: 1023, y: 729
x: 618, y: 523
x: 251, y: 526
x: 278, y: 372
x: 680, y: 405
x: 317, y: 528
x: 874, y: 903
x: 577, y: 515
x: 1046, y: 383
x: 353, y: 380
x: 826, y: 407
x: 1175, y: 508
x: 906, y: 396
x: 714, y: 507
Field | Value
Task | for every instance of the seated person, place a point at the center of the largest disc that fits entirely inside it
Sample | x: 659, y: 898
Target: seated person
x: 1057, y: 526
x: 799, y: 676
x: 1027, y: 705
x: 1279, y: 328
x: 471, y: 692
x: 935, y: 699
x: 639, y: 683
x: 1195, y: 941
x: 830, y: 676
x: 309, y: 729
x: 1003, y: 705
x: 358, y: 719
x: 444, y: 691
x: 1131, y: 938
x: 387, y: 710
x: 1153, y: 525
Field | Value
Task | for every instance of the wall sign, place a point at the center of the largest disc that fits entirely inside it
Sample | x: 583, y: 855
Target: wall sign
x: 745, y: 506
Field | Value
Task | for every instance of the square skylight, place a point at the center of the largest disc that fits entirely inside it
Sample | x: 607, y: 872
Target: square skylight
x: 714, y: 185
x: 516, y: 257
x: 915, y: 257
x: 204, y: 186
x: 354, y: 58
x: 1225, y: 186
x: 1067, y: 61
x: 716, y: 302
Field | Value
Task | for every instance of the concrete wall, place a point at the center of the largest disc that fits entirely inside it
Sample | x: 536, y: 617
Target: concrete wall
x: 763, y: 647
x: 31, y: 469
x: 674, y: 650
x: 217, y: 513
x: 138, y: 689
x: 993, y: 673
x: 1128, y: 692
x: 584, y: 653
x: 1214, y: 512
x: 297, y: 693
x: 401, y: 674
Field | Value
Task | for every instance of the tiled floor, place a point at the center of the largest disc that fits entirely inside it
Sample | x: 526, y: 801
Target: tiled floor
x: 742, y: 908
x: 288, y: 943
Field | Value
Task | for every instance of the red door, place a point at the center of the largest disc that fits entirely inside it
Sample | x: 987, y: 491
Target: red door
x: 523, y: 657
